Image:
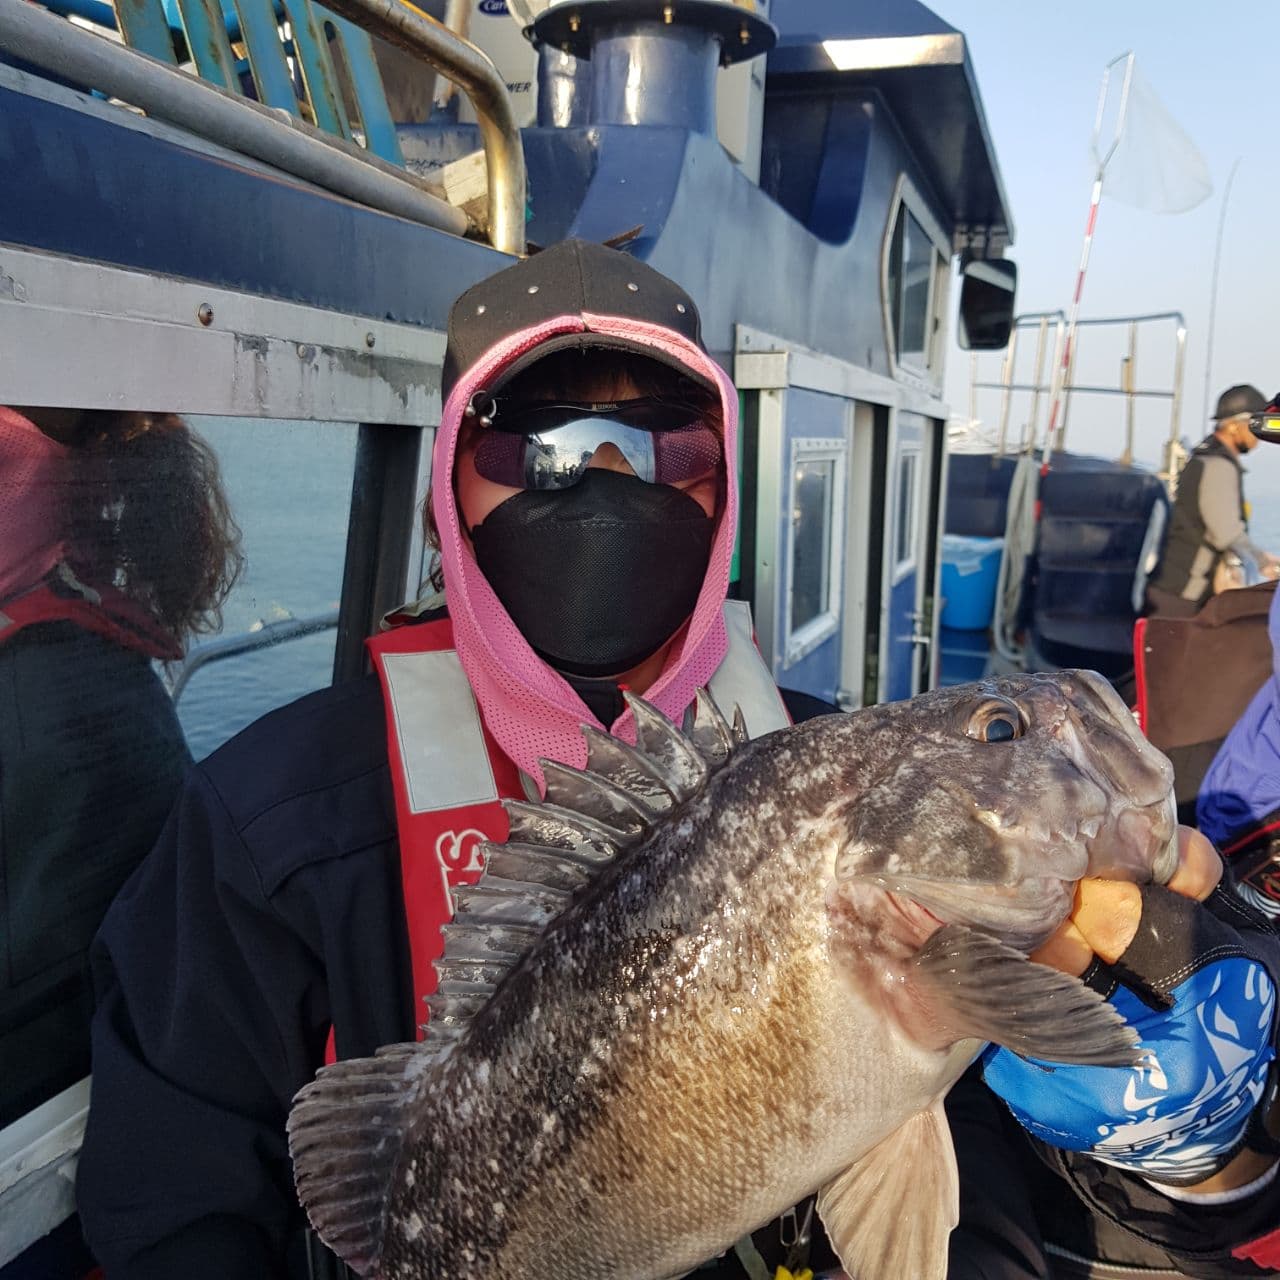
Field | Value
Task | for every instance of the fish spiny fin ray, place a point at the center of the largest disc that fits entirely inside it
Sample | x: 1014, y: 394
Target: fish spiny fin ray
x: 597, y: 797
x: 613, y: 759
x: 344, y: 1141
x: 681, y: 764
x: 553, y: 849
x: 574, y: 834
x: 977, y: 988
x: 708, y: 730
x: 890, y: 1213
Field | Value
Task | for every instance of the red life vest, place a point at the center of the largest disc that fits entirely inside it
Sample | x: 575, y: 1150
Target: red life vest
x: 105, y: 611
x: 450, y: 775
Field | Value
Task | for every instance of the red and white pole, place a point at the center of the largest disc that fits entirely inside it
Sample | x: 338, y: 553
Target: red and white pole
x: 1053, y: 435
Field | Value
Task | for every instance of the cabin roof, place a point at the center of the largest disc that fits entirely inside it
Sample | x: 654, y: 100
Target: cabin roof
x: 921, y: 67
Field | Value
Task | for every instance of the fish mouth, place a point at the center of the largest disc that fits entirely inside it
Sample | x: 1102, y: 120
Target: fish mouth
x: 1137, y: 843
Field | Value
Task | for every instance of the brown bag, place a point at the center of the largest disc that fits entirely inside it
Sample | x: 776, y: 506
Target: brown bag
x: 1197, y: 675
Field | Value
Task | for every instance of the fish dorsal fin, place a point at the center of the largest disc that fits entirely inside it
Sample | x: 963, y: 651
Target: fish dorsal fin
x: 550, y: 826
x: 628, y: 768
x: 464, y: 977
x: 490, y: 902
x: 589, y: 817
x: 535, y: 865
x: 974, y: 987
x: 596, y: 797
x: 501, y: 942
x: 680, y: 764
x: 343, y: 1162
x: 890, y: 1213
x: 708, y: 730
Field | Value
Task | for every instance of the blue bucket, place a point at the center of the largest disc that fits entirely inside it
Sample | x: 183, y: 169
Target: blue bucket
x: 970, y: 572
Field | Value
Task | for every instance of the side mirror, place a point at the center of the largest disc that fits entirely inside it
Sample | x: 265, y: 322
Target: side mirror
x: 1266, y: 425
x: 987, y: 288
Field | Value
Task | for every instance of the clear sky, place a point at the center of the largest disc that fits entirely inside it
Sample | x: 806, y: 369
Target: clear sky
x: 1214, y: 66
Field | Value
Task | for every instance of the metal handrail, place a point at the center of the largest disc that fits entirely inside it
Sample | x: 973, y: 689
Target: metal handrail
x: 413, y: 31
x: 1127, y: 388
x: 245, y: 126
x: 1042, y: 320
x: 260, y: 636
x: 1174, y: 395
x: 162, y: 91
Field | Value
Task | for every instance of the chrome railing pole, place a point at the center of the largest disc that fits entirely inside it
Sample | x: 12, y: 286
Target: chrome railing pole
x: 1128, y: 381
x: 246, y: 127
x: 457, y: 18
x: 1033, y: 410
x: 1175, y: 454
x: 1006, y: 395
x: 410, y: 29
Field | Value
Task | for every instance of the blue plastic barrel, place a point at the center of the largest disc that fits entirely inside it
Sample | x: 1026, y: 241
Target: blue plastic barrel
x: 970, y: 570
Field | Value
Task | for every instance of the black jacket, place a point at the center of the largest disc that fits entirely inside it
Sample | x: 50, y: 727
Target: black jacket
x: 91, y: 758
x: 272, y: 908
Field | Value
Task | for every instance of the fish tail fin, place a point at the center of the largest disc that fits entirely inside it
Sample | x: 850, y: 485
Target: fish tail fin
x: 346, y: 1131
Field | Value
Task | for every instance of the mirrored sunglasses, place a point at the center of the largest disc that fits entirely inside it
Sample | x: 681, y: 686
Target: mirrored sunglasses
x: 550, y: 445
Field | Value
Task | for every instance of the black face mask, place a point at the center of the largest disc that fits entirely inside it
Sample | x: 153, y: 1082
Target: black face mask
x: 599, y: 575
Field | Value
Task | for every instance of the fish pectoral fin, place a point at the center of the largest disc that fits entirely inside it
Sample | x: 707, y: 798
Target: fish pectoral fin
x: 974, y: 987
x: 344, y: 1139
x: 889, y: 1215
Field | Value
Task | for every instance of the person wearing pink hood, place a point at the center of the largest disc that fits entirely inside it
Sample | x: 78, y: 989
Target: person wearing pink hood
x: 584, y: 501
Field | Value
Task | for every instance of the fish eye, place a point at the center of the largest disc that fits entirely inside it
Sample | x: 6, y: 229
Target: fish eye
x: 996, y: 720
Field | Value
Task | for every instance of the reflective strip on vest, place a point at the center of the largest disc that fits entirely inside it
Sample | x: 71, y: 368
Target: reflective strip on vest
x: 449, y: 774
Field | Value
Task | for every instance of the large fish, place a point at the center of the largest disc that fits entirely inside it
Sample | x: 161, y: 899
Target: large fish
x: 709, y: 977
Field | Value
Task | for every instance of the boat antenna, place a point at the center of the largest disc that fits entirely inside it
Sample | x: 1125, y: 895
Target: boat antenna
x: 1213, y: 288
x: 1056, y: 430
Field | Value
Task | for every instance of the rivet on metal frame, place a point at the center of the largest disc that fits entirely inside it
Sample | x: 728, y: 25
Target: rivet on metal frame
x: 204, y: 313
x: 635, y: 288
x: 369, y: 340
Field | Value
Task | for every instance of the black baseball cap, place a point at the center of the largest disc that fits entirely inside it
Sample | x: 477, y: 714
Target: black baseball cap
x: 574, y: 277
x: 1242, y: 398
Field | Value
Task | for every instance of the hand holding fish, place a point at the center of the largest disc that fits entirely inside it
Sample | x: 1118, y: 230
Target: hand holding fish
x: 1204, y: 1008
x: 1107, y: 913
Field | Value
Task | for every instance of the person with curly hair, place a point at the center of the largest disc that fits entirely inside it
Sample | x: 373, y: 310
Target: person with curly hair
x: 116, y: 546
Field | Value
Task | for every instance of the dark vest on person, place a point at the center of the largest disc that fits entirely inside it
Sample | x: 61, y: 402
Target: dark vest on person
x: 1186, y: 549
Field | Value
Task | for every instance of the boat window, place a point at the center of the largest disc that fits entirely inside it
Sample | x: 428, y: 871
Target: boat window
x: 817, y: 483
x: 137, y: 550
x: 279, y: 623
x: 913, y: 272
x: 904, y: 545
x: 811, y: 546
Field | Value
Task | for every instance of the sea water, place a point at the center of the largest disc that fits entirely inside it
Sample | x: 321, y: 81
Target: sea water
x: 289, y: 487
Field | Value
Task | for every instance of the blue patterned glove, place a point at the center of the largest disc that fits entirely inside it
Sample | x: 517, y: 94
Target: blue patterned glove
x: 1204, y: 1011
